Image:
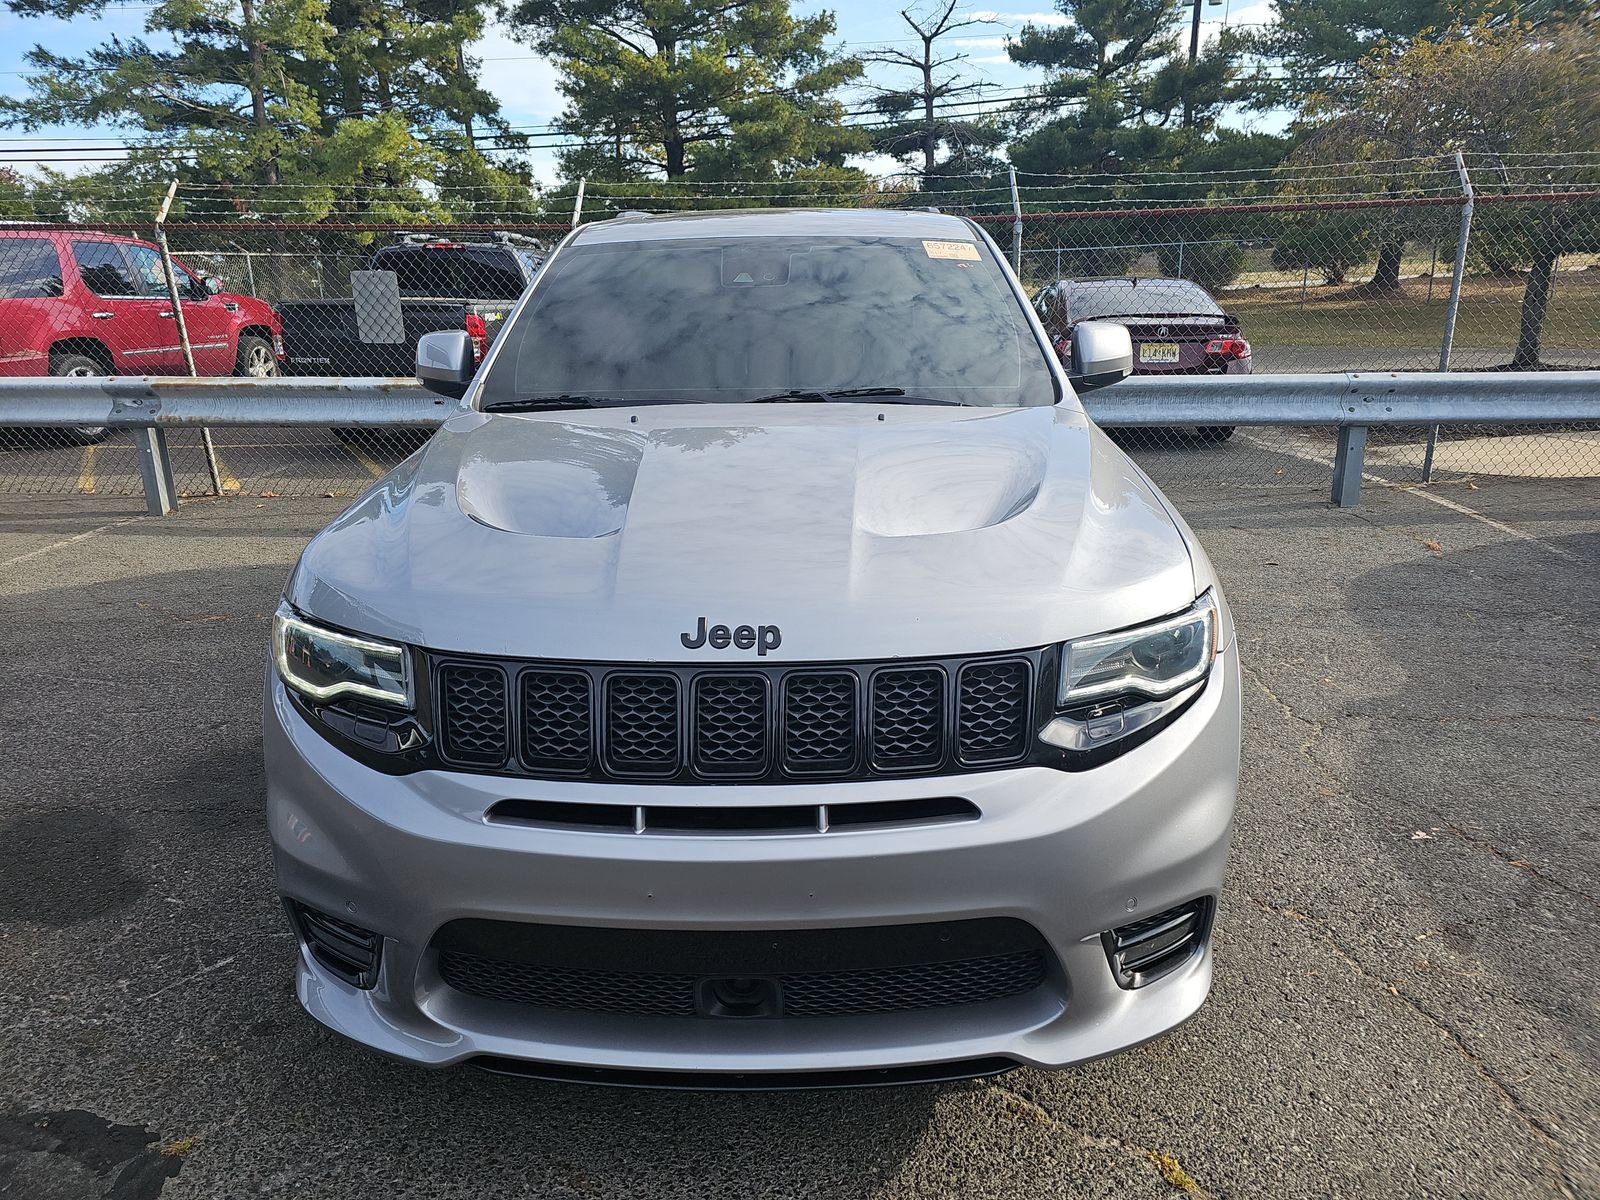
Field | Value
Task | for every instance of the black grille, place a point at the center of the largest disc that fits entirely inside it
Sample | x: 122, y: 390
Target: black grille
x: 473, y: 720
x: 642, y: 724
x: 730, y: 724
x: 819, y: 722
x: 804, y: 973
x: 556, y: 725
x: 907, y: 718
x: 774, y: 724
x: 919, y: 985
x: 992, y: 711
x: 546, y: 986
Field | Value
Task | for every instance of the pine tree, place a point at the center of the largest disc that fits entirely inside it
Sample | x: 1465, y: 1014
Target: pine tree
x: 718, y: 88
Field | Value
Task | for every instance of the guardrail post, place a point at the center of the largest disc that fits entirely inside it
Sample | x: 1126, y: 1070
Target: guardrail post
x: 1454, y: 307
x: 1348, y: 465
x: 155, y: 469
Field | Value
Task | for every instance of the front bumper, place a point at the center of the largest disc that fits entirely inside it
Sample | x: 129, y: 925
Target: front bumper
x: 1071, y: 854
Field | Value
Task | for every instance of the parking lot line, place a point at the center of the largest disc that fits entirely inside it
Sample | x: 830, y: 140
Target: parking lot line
x: 1419, y: 490
x: 362, y: 458
x: 86, y: 469
x: 65, y: 542
x: 225, y: 475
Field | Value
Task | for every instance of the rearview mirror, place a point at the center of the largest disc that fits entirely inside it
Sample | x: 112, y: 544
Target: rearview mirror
x: 1102, y: 353
x: 445, y: 362
x: 212, y: 284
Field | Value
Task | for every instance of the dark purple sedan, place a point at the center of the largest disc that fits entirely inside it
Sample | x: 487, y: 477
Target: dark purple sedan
x: 1176, y: 327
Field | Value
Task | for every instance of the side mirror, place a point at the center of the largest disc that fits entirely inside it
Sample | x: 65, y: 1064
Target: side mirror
x: 212, y: 284
x: 1102, y: 353
x: 445, y: 363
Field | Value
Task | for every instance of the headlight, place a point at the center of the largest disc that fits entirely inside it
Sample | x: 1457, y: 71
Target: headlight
x: 1154, y: 660
x: 322, y: 664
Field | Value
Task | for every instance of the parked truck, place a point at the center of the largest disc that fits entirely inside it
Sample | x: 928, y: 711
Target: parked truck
x: 437, y: 284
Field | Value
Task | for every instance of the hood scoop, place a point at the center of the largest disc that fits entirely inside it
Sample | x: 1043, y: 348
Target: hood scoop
x: 569, y: 481
x: 947, y: 482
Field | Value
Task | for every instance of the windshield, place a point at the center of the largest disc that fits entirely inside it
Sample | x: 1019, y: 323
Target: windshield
x: 1148, y: 297
x: 459, y: 272
x: 734, y: 319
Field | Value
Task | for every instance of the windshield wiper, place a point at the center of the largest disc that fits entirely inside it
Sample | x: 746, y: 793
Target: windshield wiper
x: 568, y: 400
x: 881, y: 395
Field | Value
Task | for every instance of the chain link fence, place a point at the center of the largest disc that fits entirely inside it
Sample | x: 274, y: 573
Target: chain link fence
x: 1424, y: 264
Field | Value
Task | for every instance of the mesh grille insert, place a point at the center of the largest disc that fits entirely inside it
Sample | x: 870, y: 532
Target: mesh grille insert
x: 547, y: 986
x: 888, y: 989
x: 473, y: 714
x: 992, y: 711
x: 556, y: 719
x: 920, y: 985
x: 907, y: 717
x: 642, y: 723
x: 730, y: 724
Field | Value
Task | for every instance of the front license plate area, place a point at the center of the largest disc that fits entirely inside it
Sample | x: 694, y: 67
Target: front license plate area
x: 1158, y: 352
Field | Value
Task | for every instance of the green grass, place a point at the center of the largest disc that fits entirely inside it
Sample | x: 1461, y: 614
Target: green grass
x: 1490, y: 311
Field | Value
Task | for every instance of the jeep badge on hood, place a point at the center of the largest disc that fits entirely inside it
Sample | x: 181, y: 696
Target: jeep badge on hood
x: 760, y: 638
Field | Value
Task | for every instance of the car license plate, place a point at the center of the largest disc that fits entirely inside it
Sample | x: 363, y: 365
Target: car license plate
x: 1158, y: 352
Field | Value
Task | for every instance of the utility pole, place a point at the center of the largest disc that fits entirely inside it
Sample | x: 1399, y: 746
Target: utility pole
x: 1194, y: 54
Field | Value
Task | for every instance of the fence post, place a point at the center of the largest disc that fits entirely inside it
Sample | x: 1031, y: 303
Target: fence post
x: 1348, y: 464
x: 176, y: 300
x: 1016, y: 226
x: 577, y: 203
x: 155, y: 469
x: 1455, y: 303
x: 250, y: 271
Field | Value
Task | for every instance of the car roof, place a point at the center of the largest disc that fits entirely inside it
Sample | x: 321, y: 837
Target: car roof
x: 77, y: 235
x: 778, y: 222
x: 1129, y: 281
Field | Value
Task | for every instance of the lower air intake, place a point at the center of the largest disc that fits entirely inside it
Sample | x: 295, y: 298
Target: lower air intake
x: 345, y: 950
x: 725, y: 974
x: 1144, y: 951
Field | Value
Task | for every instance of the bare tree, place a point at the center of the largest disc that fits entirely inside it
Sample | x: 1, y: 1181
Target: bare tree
x: 917, y: 126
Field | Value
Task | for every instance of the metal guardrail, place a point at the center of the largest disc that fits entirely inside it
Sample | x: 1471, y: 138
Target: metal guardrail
x: 1351, y: 402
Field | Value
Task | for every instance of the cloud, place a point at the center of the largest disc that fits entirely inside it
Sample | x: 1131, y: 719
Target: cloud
x: 523, y: 82
x: 1026, y: 18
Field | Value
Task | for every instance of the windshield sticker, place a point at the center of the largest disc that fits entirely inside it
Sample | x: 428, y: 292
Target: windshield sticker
x: 960, y: 250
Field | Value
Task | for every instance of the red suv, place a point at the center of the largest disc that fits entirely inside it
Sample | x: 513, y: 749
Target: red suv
x: 96, y: 304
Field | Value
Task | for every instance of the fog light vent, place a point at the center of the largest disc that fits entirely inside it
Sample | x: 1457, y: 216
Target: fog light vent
x: 1146, y: 950
x: 345, y: 950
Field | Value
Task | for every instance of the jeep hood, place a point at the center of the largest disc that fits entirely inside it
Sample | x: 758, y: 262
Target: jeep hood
x: 862, y: 531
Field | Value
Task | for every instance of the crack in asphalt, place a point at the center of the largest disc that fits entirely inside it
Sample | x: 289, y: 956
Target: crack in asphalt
x: 1165, y: 1164
x: 1556, y: 1160
x: 1556, y: 1157
x: 1519, y: 864
x: 1318, y: 730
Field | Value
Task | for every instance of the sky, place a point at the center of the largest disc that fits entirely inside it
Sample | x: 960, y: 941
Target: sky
x: 526, y: 83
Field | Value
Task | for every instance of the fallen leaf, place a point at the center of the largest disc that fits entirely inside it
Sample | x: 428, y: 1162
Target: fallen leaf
x: 1434, y: 546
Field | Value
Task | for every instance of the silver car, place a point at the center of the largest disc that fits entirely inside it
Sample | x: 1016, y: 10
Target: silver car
x: 770, y: 678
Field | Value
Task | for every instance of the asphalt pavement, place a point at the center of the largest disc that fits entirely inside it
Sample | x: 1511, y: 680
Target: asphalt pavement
x: 1408, y: 949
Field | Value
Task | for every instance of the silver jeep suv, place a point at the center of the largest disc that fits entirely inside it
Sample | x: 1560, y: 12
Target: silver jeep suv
x: 770, y: 678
